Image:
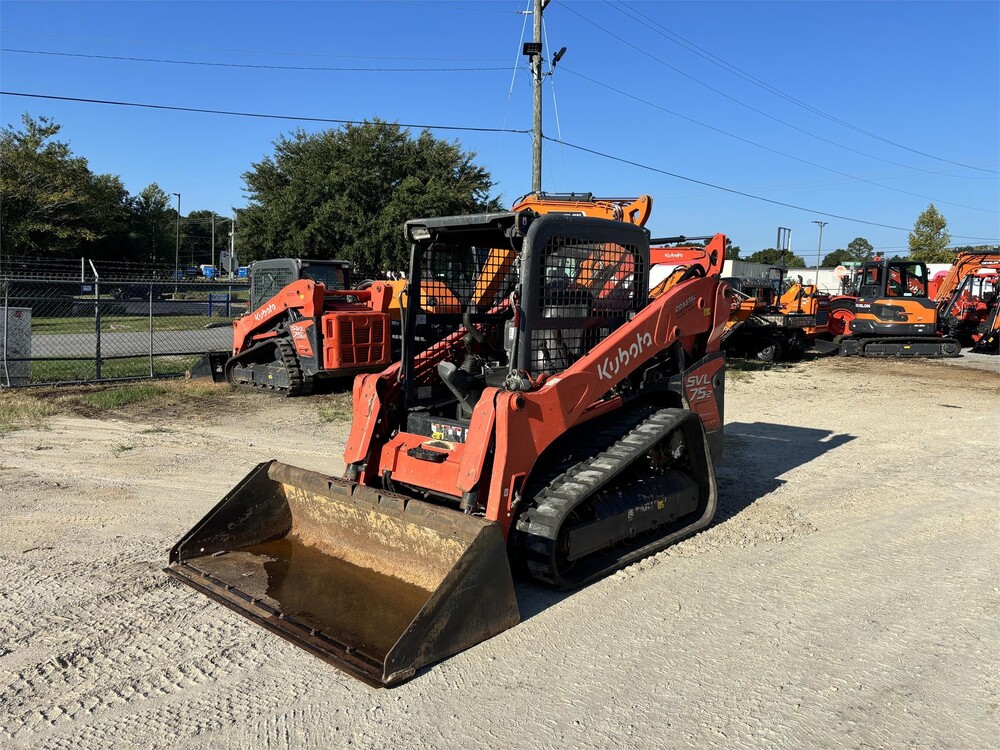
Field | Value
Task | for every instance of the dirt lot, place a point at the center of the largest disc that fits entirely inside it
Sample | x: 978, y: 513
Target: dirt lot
x: 845, y: 597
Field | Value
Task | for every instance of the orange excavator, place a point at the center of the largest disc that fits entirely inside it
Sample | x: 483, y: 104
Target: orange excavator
x: 631, y: 210
x: 893, y: 316
x: 967, y: 299
x: 559, y: 424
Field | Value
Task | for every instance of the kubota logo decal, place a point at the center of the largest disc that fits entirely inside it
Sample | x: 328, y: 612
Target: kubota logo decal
x: 611, y: 366
x: 265, y: 312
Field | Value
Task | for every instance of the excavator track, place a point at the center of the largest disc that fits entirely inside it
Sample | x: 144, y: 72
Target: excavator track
x: 900, y: 346
x: 280, y: 375
x: 625, y: 490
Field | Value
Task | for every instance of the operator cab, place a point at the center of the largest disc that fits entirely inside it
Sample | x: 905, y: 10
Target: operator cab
x: 893, y: 279
x: 506, y: 299
x: 268, y: 277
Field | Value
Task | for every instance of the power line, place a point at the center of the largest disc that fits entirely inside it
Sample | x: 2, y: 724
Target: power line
x: 260, y: 115
x: 691, y: 47
x: 513, y: 76
x: 463, y: 8
x: 738, y: 101
x: 742, y: 193
x: 772, y: 150
x: 480, y: 130
x: 244, y: 65
x: 250, y: 51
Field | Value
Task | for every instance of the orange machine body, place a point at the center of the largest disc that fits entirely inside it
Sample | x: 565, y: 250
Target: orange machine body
x: 347, y: 331
x: 518, y: 427
x: 509, y: 429
x: 967, y: 296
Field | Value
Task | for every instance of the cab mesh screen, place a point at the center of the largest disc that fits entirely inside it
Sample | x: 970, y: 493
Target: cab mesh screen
x: 588, y: 289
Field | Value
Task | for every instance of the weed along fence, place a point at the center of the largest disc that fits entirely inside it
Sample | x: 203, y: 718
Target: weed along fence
x: 61, y: 331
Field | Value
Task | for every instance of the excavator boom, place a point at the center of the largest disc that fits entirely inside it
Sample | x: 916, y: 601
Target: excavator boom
x: 631, y: 210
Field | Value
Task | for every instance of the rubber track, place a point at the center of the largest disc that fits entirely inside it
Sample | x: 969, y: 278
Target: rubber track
x: 301, y: 383
x: 617, y: 445
x: 864, y: 342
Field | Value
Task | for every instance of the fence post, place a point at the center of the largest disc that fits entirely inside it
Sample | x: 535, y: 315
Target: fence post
x: 152, y: 372
x: 6, y: 324
x: 97, y: 326
x: 229, y: 301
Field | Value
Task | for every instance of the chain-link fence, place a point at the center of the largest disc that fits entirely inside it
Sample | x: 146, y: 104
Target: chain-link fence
x: 60, y: 331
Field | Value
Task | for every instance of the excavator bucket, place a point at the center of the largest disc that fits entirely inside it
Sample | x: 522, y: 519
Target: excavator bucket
x: 377, y: 584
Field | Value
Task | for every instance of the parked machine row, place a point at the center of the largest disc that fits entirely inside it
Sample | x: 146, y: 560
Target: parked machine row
x: 541, y: 397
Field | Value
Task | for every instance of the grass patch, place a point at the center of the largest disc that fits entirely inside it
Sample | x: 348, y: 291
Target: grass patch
x: 738, y: 364
x: 18, y: 411
x: 69, y: 370
x: 735, y: 375
x: 203, y: 391
x: 336, y: 409
x: 155, y: 402
x: 113, y: 398
x: 121, y: 448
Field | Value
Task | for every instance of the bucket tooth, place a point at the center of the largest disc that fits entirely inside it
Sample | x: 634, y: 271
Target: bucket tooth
x: 376, y: 583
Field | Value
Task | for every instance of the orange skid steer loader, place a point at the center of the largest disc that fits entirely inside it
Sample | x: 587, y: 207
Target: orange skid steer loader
x: 555, y: 422
x: 305, y: 323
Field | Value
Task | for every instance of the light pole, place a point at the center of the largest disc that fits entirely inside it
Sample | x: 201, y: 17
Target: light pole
x: 177, y: 244
x: 819, y: 250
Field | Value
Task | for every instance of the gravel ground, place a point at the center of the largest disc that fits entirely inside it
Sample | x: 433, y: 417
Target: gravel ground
x: 845, y: 597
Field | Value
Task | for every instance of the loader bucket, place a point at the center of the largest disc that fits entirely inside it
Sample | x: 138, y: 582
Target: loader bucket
x: 377, y: 584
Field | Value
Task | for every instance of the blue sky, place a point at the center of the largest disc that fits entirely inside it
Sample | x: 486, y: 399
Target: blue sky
x: 922, y: 78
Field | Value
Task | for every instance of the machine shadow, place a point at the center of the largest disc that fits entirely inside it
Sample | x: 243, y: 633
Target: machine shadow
x: 755, y: 457
x: 757, y: 454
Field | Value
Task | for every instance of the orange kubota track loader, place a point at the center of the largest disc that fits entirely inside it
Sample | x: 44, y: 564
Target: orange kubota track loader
x: 560, y: 423
x: 305, y: 323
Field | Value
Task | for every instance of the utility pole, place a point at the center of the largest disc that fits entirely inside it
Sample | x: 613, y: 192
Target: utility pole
x: 536, y: 69
x: 213, y: 240
x: 533, y: 51
x: 819, y: 250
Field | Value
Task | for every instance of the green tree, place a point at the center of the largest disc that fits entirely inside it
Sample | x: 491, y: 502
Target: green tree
x: 51, y: 203
x: 776, y: 258
x: 860, y: 250
x: 153, y: 226
x: 929, y: 238
x: 837, y: 257
x: 346, y: 193
x: 732, y: 251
